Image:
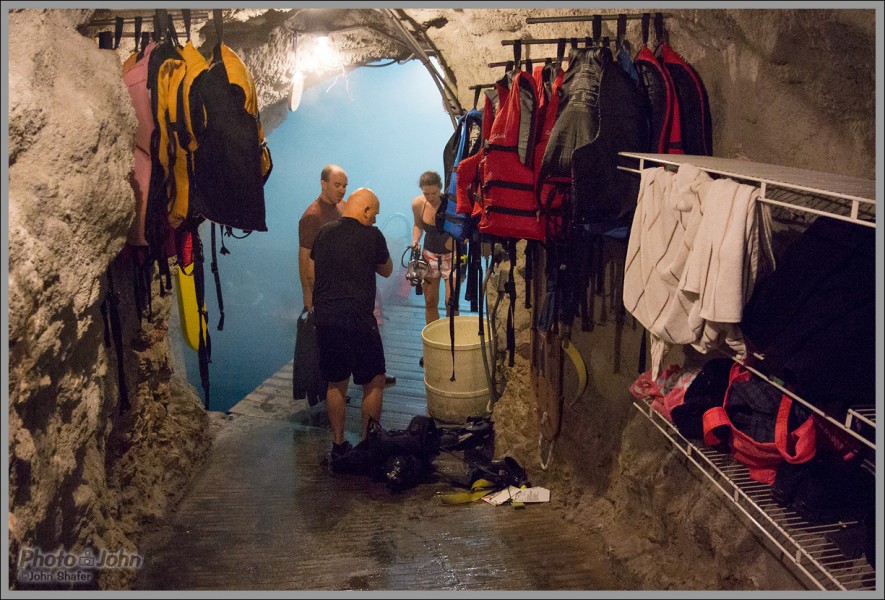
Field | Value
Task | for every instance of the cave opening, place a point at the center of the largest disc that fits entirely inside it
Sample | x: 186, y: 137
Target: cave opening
x: 384, y: 126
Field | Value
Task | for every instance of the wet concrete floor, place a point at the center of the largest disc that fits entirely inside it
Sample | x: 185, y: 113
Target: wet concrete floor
x: 266, y: 513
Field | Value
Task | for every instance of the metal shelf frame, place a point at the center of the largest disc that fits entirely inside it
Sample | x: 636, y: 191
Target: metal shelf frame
x: 852, y: 194
x: 802, y: 546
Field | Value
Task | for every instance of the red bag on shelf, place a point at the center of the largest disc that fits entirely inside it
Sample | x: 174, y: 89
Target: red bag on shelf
x: 760, y: 455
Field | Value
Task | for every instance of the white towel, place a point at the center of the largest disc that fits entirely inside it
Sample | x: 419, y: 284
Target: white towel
x: 666, y: 218
x: 695, y: 250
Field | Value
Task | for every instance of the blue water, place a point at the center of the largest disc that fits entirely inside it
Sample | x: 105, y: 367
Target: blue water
x: 384, y: 126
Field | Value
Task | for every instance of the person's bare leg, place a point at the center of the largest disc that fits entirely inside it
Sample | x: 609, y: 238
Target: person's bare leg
x: 431, y: 300
x: 373, y: 393
x: 337, y: 407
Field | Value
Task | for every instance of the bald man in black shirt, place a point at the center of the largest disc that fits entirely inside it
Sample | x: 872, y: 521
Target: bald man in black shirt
x: 347, y: 254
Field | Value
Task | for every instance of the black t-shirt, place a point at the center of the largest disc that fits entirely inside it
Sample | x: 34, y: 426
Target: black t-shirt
x: 346, y: 254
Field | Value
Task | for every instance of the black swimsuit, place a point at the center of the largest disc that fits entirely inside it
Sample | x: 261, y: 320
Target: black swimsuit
x: 434, y: 241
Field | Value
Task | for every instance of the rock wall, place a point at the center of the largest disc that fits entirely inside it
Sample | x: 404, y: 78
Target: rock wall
x: 82, y: 476
x: 791, y: 87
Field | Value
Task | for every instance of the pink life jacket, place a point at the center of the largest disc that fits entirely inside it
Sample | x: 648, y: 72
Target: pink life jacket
x: 135, y: 79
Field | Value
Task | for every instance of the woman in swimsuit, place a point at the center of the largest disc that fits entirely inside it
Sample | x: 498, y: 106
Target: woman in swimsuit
x: 437, y: 246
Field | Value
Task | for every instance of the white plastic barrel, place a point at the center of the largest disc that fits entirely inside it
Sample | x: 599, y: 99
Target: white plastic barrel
x: 468, y: 395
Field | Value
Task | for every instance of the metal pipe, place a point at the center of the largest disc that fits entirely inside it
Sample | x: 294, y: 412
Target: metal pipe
x: 425, y: 60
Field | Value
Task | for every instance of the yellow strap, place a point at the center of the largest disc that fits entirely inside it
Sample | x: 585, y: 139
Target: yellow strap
x: 580, y: 367
x: 480, y: 488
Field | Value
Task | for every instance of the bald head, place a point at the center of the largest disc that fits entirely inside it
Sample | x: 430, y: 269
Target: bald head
x: 333, y: 184
x: 363, y: 206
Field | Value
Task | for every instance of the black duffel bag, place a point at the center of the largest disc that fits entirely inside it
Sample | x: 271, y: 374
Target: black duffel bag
x: 306, y: 377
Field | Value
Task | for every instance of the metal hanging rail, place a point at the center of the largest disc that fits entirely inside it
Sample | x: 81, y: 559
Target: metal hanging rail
x: 531, y: 42
x: 803, y: 546
x: 861, y: 193
x: 196, y: 15
x: 578, y: 18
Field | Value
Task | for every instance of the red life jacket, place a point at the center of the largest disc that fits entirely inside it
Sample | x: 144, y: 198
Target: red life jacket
x: 135, y: 76
x: 509, y: 207
x: 550, y: 191
x: 468, y: 177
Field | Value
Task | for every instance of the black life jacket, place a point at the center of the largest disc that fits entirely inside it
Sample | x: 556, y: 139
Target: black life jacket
x: 577, y: 124
x: 666, y: 133
x: 694, y: 107
x: 231, y: 162
x: 602, y: 196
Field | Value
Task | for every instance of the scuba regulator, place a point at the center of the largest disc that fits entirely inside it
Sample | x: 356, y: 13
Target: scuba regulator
x: 416, y: 269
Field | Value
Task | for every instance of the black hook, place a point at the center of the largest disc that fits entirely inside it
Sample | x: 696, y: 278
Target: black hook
x: 186, y: 15
x: 659, y: 28
x: 118, y: 31
x: 137, y: 32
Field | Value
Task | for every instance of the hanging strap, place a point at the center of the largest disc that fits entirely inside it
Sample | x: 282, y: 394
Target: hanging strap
x: 113, y: 300
x: 530, y: 249
x: 160, y: 21
x: 186, y: 15
x: 597, y: 29
x: 204, y: 350
x: 218, y: 18
x: 510, y: 289
x: 622, y: 29
x: 214, y: 267
x: 452, y: 302
x: 560, y: 52
x: 517, y: 54
x: 137, y: 34
x: 645, y: 20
